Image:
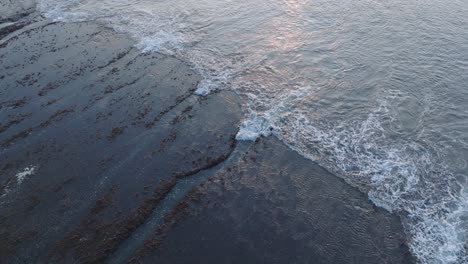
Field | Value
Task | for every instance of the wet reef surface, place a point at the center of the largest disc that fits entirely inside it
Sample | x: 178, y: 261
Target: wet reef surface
x: 108, y: 156
x: 273, y: 206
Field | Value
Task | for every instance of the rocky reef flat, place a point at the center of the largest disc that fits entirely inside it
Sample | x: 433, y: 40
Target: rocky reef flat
x: 107, y: 156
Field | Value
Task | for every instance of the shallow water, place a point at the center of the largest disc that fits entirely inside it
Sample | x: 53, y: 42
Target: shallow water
x: 375, y: 91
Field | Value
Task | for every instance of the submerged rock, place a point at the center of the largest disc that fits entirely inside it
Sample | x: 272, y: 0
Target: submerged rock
x: 274, y: 206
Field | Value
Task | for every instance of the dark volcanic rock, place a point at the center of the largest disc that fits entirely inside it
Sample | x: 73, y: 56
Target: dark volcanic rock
x: 89, y: 146
x: 273, y: 206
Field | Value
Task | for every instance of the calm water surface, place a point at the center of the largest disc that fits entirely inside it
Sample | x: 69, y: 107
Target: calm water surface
x: 375, y: 91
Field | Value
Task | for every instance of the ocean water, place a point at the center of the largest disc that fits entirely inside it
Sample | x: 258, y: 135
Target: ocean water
x: 375, y: 91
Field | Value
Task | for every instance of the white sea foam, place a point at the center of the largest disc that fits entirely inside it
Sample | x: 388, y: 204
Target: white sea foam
x: 400, y: 177
x: 14, y: 185
x: 253, y: 128
x: 25, y: 173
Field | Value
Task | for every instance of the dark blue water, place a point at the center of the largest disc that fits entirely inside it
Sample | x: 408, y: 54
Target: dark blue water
x: 375, y: 91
